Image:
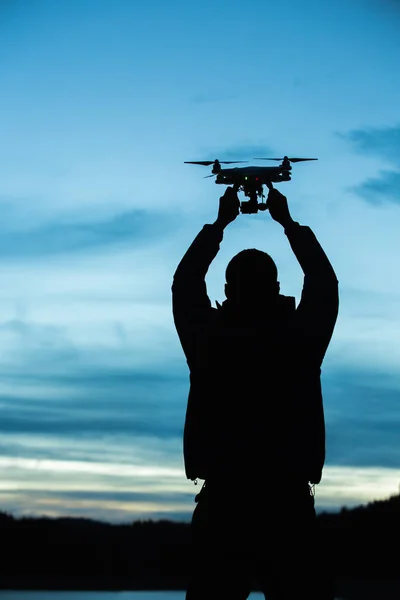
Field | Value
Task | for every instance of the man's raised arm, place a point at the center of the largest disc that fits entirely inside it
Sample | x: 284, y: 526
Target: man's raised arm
x: 318, y: 309
x: 190, y: 302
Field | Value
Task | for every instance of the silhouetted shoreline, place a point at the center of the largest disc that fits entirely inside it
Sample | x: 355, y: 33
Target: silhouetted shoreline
x: 81, y: 554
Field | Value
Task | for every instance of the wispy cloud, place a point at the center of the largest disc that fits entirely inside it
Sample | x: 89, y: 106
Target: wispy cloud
x: 130, y: 228
x: 243, y: 151
x: 381, y: 143
x: 351, y: 486
x: 96, y: 401
x: 381, y: 190
x: 108, y: 442
x: 155, y: 488
x: 363, y: 418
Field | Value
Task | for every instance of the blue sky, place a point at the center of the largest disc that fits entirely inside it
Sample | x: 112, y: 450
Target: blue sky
x: 101, y: 103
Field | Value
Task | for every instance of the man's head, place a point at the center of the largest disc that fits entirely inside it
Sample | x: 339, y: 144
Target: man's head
x: 251, y: 279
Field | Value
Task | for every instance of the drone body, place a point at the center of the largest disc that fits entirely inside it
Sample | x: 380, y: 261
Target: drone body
x: 251, y: 180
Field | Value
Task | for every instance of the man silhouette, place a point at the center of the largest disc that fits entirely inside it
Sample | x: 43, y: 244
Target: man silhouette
x: 254, y: 428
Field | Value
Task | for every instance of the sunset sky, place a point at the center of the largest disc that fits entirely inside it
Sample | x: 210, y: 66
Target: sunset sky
x: 101, y: 102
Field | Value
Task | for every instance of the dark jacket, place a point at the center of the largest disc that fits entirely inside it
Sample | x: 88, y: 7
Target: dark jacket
x: 255, y: 404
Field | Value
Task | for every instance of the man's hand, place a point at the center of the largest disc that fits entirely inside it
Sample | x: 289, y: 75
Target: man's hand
x: 278, y: 207
x: 229, y: 206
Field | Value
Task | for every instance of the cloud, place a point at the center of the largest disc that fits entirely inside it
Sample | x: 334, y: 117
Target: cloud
x: 103, y: 495
x: 382, y: 143
x: 52, y: 385
x: 97, y: 401
x: 119, y: 449
x: 111, y: 476
x: 33, y: 336
x: 244, y: 151
x: 73, y: 421
x: 142, y: 486
x: 352, y: 486
x: 380, y: 190
x: 362, y: 412
x: 98, y: 508
x: 362, y: 418
x: 133, y: 228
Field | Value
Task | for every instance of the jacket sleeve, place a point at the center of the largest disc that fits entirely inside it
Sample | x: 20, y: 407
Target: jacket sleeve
x: 191, y: 306
x: 317, y: 311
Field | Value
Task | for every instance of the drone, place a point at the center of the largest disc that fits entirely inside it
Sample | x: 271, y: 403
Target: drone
x: 250, y: 180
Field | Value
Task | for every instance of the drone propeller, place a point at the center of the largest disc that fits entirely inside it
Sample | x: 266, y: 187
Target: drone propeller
x: 289, y: 159
x: 207, y: 163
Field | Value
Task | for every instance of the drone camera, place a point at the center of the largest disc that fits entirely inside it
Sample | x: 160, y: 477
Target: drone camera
x: 249, y: 207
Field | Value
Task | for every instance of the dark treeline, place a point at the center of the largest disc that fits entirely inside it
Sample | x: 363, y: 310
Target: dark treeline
x: 72, y: 553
